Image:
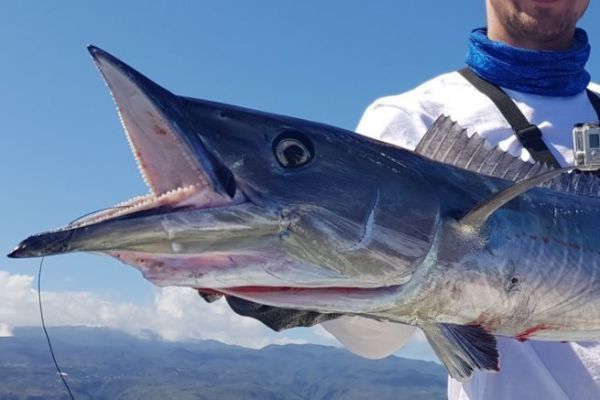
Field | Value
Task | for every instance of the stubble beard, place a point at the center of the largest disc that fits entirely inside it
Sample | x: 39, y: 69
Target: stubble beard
x: 545, y: 27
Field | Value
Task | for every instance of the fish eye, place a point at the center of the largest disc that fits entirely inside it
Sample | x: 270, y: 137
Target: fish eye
x: 292, y: 150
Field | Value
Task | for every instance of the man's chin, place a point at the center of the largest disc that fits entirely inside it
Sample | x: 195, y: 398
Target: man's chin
x: 538, y: 21
x: 544, y: 27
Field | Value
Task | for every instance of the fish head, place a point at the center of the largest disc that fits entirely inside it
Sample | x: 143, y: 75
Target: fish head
x: 257, y: 205
x: 345, y: 202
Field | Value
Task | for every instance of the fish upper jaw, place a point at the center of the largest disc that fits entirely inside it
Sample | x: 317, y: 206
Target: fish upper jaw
x: 168, y: 152
x: 174, y: 163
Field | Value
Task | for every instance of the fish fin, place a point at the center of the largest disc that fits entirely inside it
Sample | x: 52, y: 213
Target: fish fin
x: 477, y: 216
x: 462, y: 348
x: 448, y: 142
x: 277, y: 318
x: 209, y: 296
x: 368, y: 337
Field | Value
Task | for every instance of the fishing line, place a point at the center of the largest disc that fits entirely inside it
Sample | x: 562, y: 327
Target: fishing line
x: 39, y: 288
x: 95, y: 212
x: 58, y: 370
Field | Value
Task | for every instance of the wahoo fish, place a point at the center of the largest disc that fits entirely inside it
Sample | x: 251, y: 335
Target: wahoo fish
x: 297, y: 222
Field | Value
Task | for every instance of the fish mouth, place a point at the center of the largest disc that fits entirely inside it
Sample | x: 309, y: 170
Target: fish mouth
x: 176, y: 166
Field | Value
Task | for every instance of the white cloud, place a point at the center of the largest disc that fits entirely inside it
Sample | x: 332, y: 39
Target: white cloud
x: 5, y: 330
x: 176, y: 314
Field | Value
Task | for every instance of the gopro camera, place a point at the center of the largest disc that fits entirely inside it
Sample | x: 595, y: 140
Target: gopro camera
x: 586, y: 146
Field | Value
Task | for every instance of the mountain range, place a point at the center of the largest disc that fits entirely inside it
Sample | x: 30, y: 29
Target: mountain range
x: 107, y: 364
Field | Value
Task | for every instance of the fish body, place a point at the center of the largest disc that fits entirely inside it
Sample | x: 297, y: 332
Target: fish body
x: 302, y: 216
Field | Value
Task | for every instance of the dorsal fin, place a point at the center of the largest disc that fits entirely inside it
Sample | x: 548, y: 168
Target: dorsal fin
x: 446, y: 141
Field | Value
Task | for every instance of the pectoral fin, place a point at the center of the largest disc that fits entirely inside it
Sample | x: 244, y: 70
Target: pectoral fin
x: 462, y: 348
x: 477, y: 216
x: 278, y: 318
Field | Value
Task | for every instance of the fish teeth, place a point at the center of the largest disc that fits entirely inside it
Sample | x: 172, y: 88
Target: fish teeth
x: 135, y: 154
x: 136, y: 203
x: 138, y: 161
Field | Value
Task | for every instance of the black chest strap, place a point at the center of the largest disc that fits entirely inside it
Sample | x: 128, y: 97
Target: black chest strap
x: 528, y: 134
x: 595, y: 100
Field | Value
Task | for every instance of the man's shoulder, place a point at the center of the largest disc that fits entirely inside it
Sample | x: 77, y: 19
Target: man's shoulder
x: 402, y: 119
x: 433, y: 91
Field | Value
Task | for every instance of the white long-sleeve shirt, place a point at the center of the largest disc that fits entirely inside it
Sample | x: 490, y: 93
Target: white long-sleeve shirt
x: 534, y: 369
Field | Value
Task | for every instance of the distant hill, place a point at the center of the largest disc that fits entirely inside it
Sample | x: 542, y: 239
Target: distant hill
x: 106, y: 364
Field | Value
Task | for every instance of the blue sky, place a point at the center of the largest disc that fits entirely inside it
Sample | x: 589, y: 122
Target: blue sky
x: 63, y: 151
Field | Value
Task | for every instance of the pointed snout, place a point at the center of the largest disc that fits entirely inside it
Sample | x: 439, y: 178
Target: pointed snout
x: 44, y: 244
x: 196, y: 230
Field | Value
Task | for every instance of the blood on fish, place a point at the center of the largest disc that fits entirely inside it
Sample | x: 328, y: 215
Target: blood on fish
x: 488, y: 321
x: 313, y: 290
x: 527, y: 333
x: 160, y: 130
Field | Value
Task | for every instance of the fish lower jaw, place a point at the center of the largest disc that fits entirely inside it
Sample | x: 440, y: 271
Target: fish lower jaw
x: 198, y: 196
x: 138, y: 203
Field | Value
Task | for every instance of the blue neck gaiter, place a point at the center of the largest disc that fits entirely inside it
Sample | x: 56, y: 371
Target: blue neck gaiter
x: 547, y: 73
